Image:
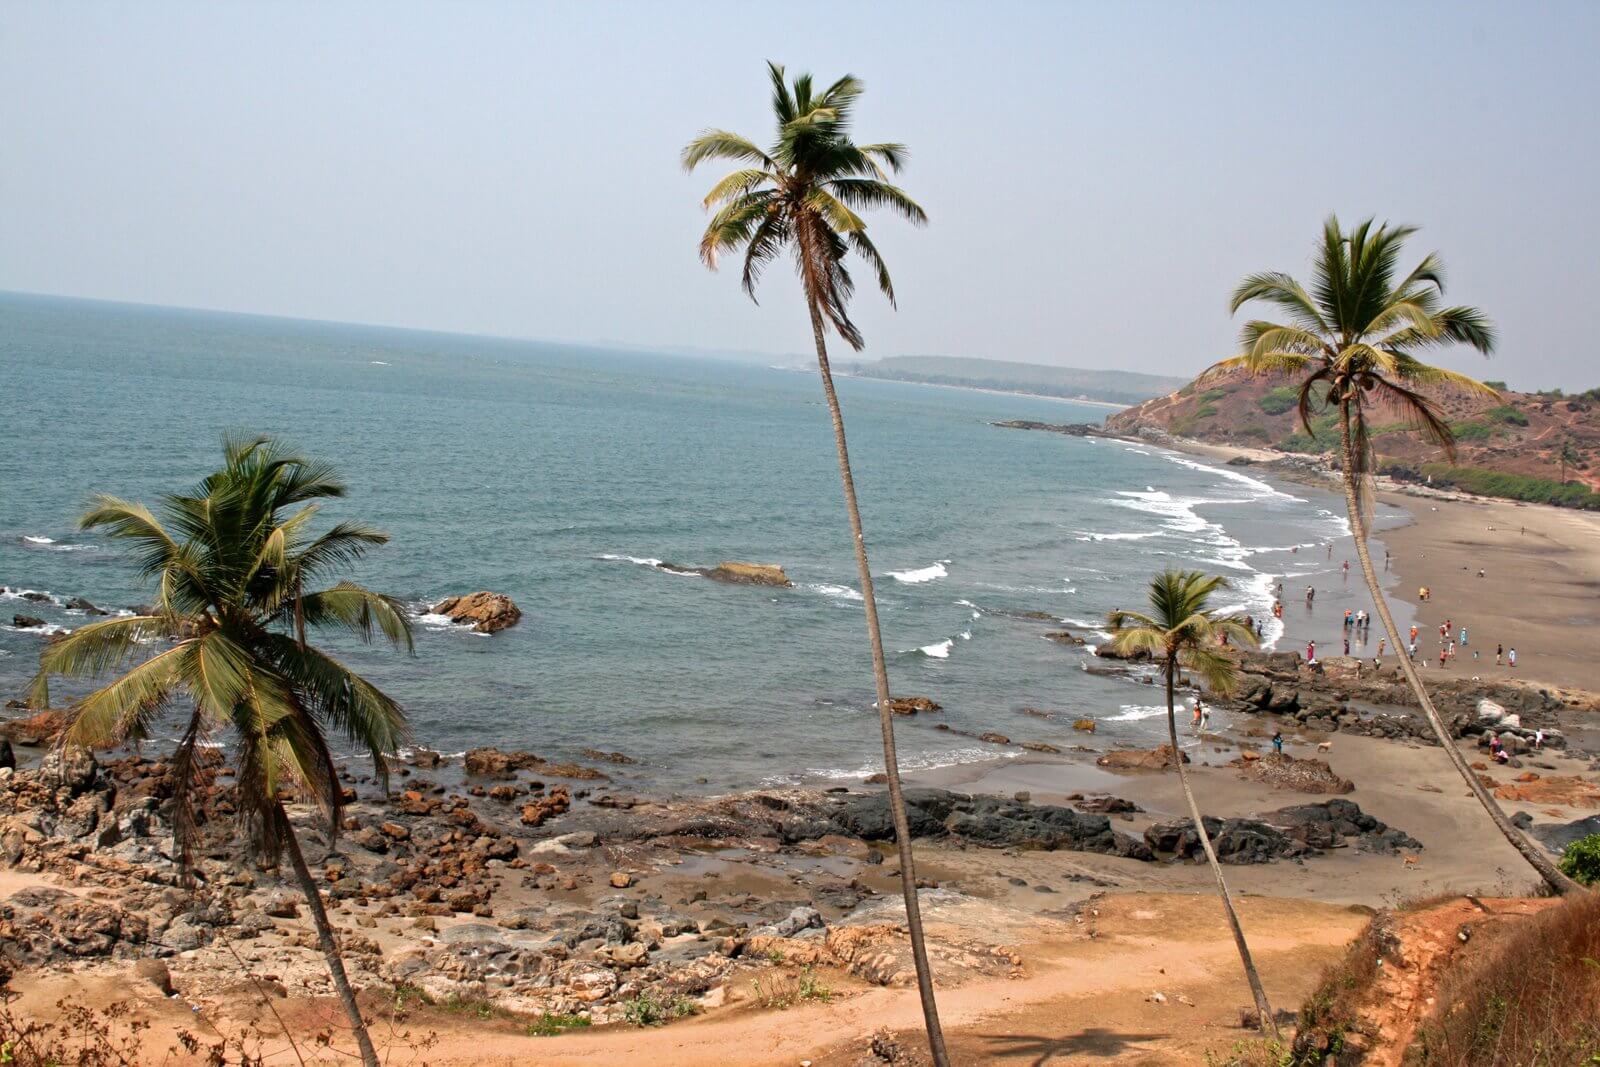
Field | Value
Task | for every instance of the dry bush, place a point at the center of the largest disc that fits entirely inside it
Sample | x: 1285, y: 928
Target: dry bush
x: 1331, y: 1015
x: 1530, y: 998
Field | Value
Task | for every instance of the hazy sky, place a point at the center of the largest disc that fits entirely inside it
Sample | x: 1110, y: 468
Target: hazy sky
x: 1098, y: 176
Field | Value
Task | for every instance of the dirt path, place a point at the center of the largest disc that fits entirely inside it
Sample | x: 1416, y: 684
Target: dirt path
x: 1083, y: 994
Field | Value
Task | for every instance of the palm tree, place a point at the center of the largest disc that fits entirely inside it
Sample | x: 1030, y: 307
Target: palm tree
x: 230, y: 567
x: 1182, y: 631
x: 800, y: 196
x: 1569, y: 456
x: 1352, y: 342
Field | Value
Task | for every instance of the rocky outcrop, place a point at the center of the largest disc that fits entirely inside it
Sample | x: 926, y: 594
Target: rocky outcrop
x: 748, y: 574
x: 991, y: 822
x: 1287, y: 772
x: 27, y: 622
x: 35, y: 730
x: 1289, y: 833
x: 1141, y: 759
x: 485, y: 612
x: 495, y: 763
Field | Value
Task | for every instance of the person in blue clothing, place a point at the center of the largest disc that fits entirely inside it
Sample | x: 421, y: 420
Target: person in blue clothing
x: 1277, y: 742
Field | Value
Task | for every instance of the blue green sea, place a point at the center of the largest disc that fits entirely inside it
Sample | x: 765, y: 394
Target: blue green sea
x: 557, y: 474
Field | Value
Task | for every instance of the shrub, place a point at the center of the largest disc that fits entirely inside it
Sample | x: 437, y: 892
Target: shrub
x: 1581, y: 860
x: 553, y: 1024
x: 1473, y: 430
x: 1211, y: 396
x: 1499, y: 387
x: 1507, y: 414
x: 1277, y: 401
x: 1206, y: 411
x: 646, y: 1010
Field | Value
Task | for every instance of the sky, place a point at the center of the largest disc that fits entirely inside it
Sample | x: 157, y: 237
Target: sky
x: 1098, y: 177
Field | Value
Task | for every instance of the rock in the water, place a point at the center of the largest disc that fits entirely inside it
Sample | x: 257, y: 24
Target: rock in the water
x: 1141, y: 759
x: 494, y: 763
x: 485, y: 612
x: 748, y: 574
x: 37, y: 730
x: 911, y: 705
x: 27, y: 622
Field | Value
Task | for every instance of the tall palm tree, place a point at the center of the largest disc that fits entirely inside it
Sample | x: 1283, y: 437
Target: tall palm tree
x: 231, y: 561
x: 800, y: 196
x: 1352, y: 341
x: 1183, y: 631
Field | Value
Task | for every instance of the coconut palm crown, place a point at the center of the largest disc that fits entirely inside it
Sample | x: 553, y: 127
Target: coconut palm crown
x: 1354, y: 337
x: 801, y: 195
x: 231, y: 560
x: 1183, y: 630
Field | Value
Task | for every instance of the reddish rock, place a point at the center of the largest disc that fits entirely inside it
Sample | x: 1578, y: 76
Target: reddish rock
x: 486, y: 612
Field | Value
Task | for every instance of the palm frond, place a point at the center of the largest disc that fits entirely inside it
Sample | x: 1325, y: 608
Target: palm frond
x: 119, y: 709
x: 359, y: 610
x: 722, y: 144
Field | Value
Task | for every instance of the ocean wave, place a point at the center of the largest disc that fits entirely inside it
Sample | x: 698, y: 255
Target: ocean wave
x: 30, y: 595
x: 654, y: 564
x: 919, y: 575
x: 926, y: 761
x: 937, y: 650
x: 1140, y: 535
x: 50, y: 544
x: 429, y: 620
x: 836, y: 592
x: 1262, y: 489
x: 1138, y: 713
x: 49, y: 629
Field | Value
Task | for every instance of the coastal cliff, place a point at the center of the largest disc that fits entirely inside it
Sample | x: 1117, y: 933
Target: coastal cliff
x: 1538, y: 447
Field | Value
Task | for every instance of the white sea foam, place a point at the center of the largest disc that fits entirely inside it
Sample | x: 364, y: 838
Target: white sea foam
x: 8, y: 593
x: 39, y: 540
x: 836, y: 592
x: 1137, y: 713
x: 925, y: 761
x: 377, y: 363
x: 48, y: 628
x: 938, y: 650
x: 922, y: 574
x: 1086, y: 535
x: 643, y: 562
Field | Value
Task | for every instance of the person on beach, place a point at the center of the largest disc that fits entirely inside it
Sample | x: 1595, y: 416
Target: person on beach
x: 1538, y: 739
x: 1349, y: 618
x: 1311, y: 594
x: 1330, y: 549
x: 1346, y: 567
x: 1463, y: 637
x: 1413, y: 632
x: 1194, y: 723
x: 1411, y: 652
x: 1205, y: 718
x: 1277, y: 742
x: 1499, y: 654
x: 1386, y: 559
x: 1511, y: 658
x: 1311, y: 653
x: 1347, y: 644
x: 1381, y: 642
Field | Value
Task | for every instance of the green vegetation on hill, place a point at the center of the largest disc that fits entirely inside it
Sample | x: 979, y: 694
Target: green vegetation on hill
x: 1113, y: 386
x: 1486, y: 482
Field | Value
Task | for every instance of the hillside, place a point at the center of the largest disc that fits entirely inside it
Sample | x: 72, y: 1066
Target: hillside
x: 1511, y: 448
x: 1078, y: 383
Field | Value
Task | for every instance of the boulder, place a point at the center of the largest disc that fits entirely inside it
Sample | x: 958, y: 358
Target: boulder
x: 1064, y: 637
x: 27, y: 622
x: 486, y: 612
x: 1556, y: 836
x: 8, y: 758
x: 911, y: 705
x: 1141, y: 759
x: 78, y: 603
x: 494, y: 763
x: 748, y: 574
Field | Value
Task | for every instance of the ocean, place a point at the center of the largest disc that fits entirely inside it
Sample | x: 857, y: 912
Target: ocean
x: 561, y: 474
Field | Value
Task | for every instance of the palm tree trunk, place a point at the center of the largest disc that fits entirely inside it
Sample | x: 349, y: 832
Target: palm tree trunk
x: 1269, y: 1022
x: 1535, y: 855
x: 891, y: 762
x: 330, y: 948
